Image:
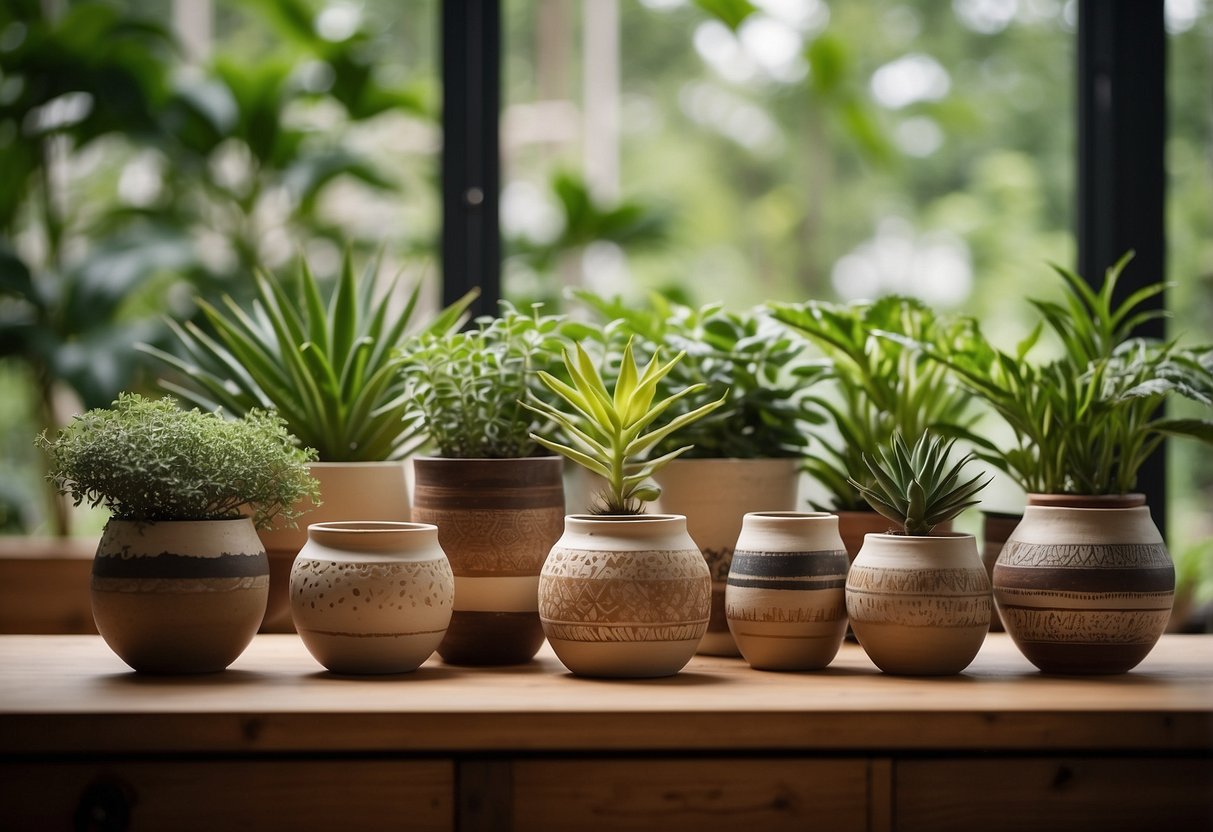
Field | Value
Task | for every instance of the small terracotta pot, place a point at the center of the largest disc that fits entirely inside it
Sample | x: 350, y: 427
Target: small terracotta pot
x: 371, y: 597
x: 1085, y: 585
x: 625, y: 596
x: 785, y: 603
x: 497, y: 520
x: 919, y: 605
x: 348, y: 491
x: 996, y: 527
x: 714, y: 495
x: 179, y: 596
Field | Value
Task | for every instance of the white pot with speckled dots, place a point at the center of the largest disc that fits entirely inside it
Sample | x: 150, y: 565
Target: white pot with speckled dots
x: 372, y: 597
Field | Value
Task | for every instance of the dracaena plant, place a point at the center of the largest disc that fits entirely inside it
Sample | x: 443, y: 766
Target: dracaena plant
x: 744, y: 357
x: 879, y: 386
x: 330, y: 369
x: 468, y: 387
x: 1086, y: 422
x: 611, y: 433
x: 918, y: 488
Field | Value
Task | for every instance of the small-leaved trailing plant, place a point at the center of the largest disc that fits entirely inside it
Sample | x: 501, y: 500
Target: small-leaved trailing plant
x: 918, y: 488
x: 612, y: 433
x: 331, y: 370
x: 755, y: 365
x: 150, y: 461
x: 468, y: 387
x: 879, y: 386
x: 1086, y: 422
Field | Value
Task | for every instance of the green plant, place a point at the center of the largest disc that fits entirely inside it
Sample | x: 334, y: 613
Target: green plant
x: 149, y: 460
x: 742, y: 357
x: 1087, y: 421
x: 918, y: 489
x: 468, y: 388
x: 881, y: 385
x: 332, y: 371
x: 613, y: 430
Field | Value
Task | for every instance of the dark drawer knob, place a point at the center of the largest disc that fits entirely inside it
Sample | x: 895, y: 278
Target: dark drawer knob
x: 105, y: 806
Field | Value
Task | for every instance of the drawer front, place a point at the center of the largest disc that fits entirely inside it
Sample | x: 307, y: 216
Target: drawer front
x: 329, y: 794
x: 744, y: 795
x: 1074, y: 794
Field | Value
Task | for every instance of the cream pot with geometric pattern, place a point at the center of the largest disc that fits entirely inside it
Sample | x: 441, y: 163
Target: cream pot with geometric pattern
x: 372, y: 597
x: 625, y: 596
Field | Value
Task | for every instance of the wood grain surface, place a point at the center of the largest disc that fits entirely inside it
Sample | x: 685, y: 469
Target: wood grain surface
x: 63, y: 694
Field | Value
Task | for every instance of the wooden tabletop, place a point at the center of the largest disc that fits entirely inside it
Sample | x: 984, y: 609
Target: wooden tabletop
x: 70, y: 694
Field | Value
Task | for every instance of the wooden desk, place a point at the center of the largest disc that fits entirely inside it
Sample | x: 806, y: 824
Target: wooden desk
x: 276, y: 741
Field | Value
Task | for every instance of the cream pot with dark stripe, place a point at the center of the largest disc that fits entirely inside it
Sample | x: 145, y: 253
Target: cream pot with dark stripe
x: 372, y: 597
x: 180, y: 596
x: 785, y: 597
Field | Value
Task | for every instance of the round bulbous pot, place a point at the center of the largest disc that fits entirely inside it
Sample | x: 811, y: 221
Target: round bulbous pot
x: 625, y: 596
x: 179, y: 596
x: 497, y: 520
x: 714, y: 495
x: 348, y: 491
x: 1085, y: 585
x: 786, y: 602
x: 919, y: 606
x: 371, y: 597
x: 996, y: 527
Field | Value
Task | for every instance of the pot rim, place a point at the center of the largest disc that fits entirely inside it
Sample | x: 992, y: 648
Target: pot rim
x: 177, y: 522
x: 791, y: 515
x: 1132, y: 499
x: 370, y: 527
x: 920, y: 537
x: 370, y: 463
x: 623, y: 518
x: 486, y: 460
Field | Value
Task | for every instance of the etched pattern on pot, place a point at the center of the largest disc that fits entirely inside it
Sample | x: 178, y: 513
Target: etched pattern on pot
x: 181, y: 586
x: 1086, y: 555
x: 330, y: 596
x: 617, y: 596
x: 1094, y: 626
x: 919, y: 597
x: 495, y: 543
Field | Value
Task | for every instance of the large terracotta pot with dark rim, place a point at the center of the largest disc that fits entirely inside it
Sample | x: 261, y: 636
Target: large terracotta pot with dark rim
x: 785, y: 602
x: 497, y: 520
x: 996, y: 527
x: 919, y: 605
x: 1085, y: 584
x: 714, y: 495
x: 179, y: 596
x: 371, y: 597
x: 625, y: 596
x: 348, y: 491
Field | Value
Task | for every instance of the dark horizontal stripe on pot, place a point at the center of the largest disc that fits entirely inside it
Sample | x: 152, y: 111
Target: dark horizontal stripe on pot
x: 168, y: 565
x: 790, y: 564
x: 804, y: 585
x: 1071, y: 579
x: 453, y: 500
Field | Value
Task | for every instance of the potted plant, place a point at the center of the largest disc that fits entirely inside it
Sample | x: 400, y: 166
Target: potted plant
x: 745, y: 456
x: 180, y: 580
x: 495, y: 494
x: 881, y: 385
x: 622, y: 593
x: 331, y: 370
x: 1084, y: 584
x: 919, y: 602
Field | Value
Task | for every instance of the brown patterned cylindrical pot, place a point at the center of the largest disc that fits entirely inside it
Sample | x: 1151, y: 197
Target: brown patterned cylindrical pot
x: 786, y: 600
x: 371, y: 597
x: 497, y: 520
x: 179, y: 596
x: 1083, y: 589
x: 714, y: 495
x: 996, y: 527
x: 625, y: 596
x: 919, y: 606
x: 348, y: 491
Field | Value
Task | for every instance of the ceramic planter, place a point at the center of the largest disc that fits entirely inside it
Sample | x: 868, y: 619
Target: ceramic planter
x: 714, y: 495
x: 497, y: 520
x: 371, y: 597
x: 785, y: 603
x: 919, y: 605
x: 996, y: 527
x: 348, y: 491
x: 625, y: 596
x: 179, y: 597
x: 1085, y: 589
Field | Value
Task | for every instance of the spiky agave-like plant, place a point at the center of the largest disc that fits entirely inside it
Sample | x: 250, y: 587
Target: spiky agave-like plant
x: 917, y: 488
x: 613, y: 429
